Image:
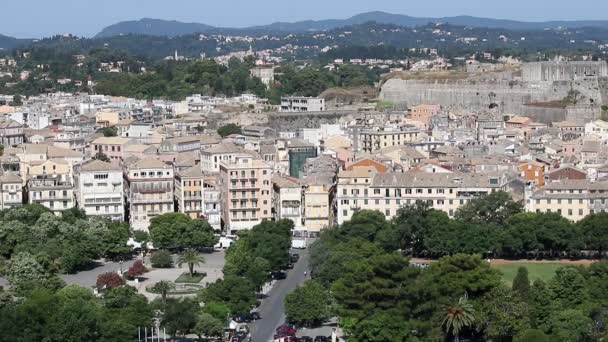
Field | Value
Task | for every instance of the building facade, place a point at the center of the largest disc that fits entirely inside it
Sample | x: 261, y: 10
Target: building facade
x: 246, y: 192
x: 149, y: 191
x: 101, y: 190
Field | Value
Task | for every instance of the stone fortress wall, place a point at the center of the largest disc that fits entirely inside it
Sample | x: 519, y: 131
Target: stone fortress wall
x: 511, y: 94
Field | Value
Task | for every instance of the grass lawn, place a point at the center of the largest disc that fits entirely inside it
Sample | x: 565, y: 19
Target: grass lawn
x: 186, y: 278
x: 542, y: 271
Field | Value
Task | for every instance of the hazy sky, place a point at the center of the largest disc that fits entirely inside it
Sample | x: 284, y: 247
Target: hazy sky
x: 38, y: 18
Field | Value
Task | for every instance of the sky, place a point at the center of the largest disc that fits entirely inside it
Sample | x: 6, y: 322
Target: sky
x: 42, y: 18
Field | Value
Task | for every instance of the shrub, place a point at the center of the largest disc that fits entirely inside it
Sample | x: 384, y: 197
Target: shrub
x: 109, y: 280
x: 136, y: 269
x: 161, y: 259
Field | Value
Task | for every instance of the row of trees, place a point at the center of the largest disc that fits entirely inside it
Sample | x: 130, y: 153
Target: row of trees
x: 492, y: 225
x: 249, y: 263
x: 379, y: 296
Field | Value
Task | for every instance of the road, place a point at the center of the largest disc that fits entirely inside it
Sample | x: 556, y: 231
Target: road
x: 272, y: 309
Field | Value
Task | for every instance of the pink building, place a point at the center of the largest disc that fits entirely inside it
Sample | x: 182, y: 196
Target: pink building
x: 112, y: 147
x: 246, y: 187
x: 423, y: 113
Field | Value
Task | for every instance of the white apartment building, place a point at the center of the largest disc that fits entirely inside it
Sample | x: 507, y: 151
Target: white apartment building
x: 302, y: 104
x: 387, y: 192
x: 12, y: 191
x: 149, y: 190
x: 287, y: 199
x: 100, y: 190
x: 597, y: 128
x: 214, y: 155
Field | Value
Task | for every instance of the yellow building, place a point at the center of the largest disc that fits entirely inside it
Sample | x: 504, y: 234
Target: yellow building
x: 381, y: 137
x: 573, y: 199
x: 189, y: 187
x: 319, y: 203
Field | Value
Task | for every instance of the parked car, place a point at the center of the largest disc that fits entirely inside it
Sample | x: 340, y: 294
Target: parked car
x: 306, y: 339
x: 289, y: 266
x: 287, y: 329
x: 294, y: 258
x: 278, y: 275
x: 247, y: 318
x: 322, y: 339
x: 255, y: 315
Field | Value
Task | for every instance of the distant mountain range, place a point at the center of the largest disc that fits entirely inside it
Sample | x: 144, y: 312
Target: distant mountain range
x: 159, y: 27
x: 8, y: 43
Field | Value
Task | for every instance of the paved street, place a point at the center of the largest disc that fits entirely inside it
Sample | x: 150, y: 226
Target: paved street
x: 272, y: 310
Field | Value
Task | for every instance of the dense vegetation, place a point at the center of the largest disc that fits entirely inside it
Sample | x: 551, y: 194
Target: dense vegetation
x: 249, y: 263
x: 493, y: 226
x: 59, y: 244
x: 380, y: 296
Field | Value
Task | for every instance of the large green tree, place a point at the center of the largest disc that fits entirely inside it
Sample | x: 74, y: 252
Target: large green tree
x: 176, y: 230
x: 308, y: 305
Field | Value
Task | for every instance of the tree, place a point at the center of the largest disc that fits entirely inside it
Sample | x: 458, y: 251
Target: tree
x: 501, y: 314
x: 229, y: 129
x: 208, y: 326
x: 308, y: 305
x: 531, y: 335
x: 191, y: 258
x: 76, y: 317
x: 24, y: 274
x: 137, y: 269
x: 109, y: 280
x: 458, y: 317
x: 179, y: 316
x: 494, y: 208
x: 17, y: 101
x: 161, y: 259
x: 570, y: 326
x: 568, y: 287
x: 163, y: 288
x: 143, y: 238
x: 103, y: 157
x: 176, y: 230
x: 595, y: 232
x: 109, y: 131
x: 521, y: 283
x: 236, y: 293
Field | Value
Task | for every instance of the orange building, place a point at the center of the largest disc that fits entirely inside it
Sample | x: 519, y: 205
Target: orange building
x: 423, y: 113
x: 533, y: 171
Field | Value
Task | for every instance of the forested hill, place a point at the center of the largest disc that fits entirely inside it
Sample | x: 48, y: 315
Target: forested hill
x: 7, y: 43
x: 159, y: 27
x: 448, y: 39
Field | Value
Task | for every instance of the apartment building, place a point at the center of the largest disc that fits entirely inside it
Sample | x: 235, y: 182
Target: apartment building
x: 215, y: 154
x: 246, y: 192
x: 51, y: 184
x: 573, y: 199
x: 302, y: 104
x: 423, y: 113
x: 287, y: 199
x: 101, y: 190
x: 148, y: 189
x: 189, y: 192
x: 319, y: 203
x: 11, y: 133
x: 212, y: 200
x: 377, y: 138
x: 533, y: 171
x: 12, y: 191
x: 353, y: 185
x: 112, y: 147
x: 388, y: 192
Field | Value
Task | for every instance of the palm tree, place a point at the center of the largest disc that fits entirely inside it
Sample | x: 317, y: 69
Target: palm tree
x: 191, y: 258
x: 459, y: 316
x: 163, y: 287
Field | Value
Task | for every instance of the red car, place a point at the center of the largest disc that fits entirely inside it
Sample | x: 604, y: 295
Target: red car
x: 287, y: 330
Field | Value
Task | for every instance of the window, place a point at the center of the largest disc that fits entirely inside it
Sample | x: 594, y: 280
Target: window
x: 345, y: 212
x: 377, y: 201
x: 376, y: 191
x: 388, y: 212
